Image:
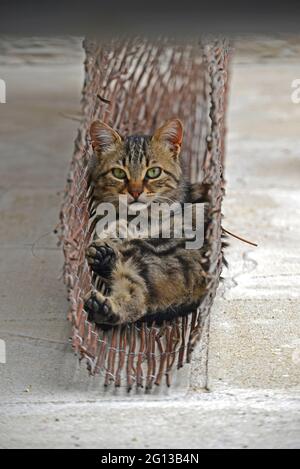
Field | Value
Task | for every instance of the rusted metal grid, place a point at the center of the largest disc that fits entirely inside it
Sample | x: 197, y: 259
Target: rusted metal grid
x: 135, y: 85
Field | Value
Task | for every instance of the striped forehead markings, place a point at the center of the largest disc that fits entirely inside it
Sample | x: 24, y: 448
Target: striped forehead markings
x: 136, y: 150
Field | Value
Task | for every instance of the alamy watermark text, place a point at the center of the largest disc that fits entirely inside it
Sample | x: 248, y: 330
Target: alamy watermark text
x: 2, y: 92
x: 2, y: 351
x: 295, y: 96
x: 156, y: 220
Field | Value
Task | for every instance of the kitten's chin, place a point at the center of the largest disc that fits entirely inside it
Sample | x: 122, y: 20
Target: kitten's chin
x: 136, y: 207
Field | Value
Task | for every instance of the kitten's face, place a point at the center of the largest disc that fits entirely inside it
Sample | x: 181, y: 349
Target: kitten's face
x: 145, y: 169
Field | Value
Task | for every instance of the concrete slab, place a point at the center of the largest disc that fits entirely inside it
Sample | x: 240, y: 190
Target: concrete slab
x: 36, y: 144
x: 37, y: 130
x: 225, y: 420
x: 29, y: 216
x: 250, y: 359
x: 267, y: 353
x: 255, y: 325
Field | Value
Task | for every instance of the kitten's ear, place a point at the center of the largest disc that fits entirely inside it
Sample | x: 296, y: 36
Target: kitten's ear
x: 170, y: 134
x: 103, y: 137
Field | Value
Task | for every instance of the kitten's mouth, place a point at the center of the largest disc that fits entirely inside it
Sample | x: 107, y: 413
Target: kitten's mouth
x: 136, y: 206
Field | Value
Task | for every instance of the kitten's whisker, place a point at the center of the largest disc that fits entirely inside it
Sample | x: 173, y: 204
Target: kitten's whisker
x: 167, y: 199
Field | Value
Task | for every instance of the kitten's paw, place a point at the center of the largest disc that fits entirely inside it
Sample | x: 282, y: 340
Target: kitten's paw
x: 102, y: 258
x: 100, y: 309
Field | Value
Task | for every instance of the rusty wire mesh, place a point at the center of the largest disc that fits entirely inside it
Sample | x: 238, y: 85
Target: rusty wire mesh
x: 135, y: 85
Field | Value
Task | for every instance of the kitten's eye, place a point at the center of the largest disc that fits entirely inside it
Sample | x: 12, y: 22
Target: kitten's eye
x: 153, y: 173
x: 119, y: 173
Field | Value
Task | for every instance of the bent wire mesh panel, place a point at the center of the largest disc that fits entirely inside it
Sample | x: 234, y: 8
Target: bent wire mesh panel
x: 134, y: 86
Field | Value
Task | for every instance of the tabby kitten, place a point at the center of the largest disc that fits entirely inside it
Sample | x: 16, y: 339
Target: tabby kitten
x: 143, y: 276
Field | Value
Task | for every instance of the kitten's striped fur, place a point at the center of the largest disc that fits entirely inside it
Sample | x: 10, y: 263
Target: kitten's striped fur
x: 143, y: 276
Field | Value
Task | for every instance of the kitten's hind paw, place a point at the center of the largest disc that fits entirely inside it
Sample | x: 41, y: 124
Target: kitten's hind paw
x: 102, y: 258
x: 100, y: 309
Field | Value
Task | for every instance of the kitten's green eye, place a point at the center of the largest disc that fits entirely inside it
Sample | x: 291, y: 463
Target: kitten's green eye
x: 119, y: 173
x: 153, y: 173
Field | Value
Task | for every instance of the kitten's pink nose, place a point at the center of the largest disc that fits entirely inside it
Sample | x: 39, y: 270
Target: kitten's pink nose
x: 135, y: 189
x: 135, y: 194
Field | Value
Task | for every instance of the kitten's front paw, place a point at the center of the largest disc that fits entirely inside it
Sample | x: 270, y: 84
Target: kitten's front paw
x: 100, y: 309
x: 102, y: 258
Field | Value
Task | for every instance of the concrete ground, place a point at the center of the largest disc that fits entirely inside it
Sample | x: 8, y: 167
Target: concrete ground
x: 252, y: 365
